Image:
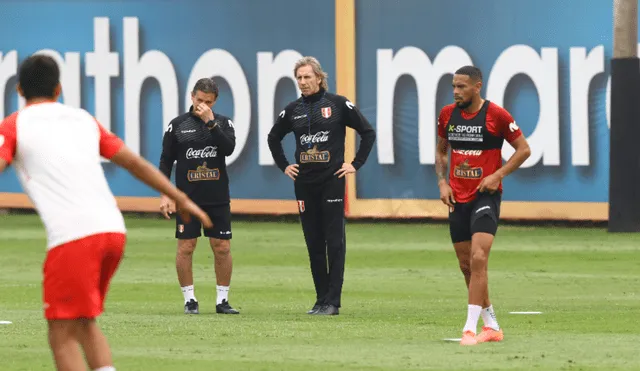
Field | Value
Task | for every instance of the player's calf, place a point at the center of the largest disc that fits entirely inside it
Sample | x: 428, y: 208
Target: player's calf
x: 463, y: 253
x: 223, y: 267
x: 184, y: 268
x: 222, y: 260
x: 465, y: 268
x: 64, y: 345
x: 478, y: 285
x: 94, y: 344
x: 184, y: 261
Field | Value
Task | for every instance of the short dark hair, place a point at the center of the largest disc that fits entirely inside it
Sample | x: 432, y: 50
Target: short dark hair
x: 471, y: 71
x: 38, y: 76
x: 207, y: 86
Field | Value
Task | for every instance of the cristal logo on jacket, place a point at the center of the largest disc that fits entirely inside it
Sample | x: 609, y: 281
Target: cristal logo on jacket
x: 319, y: 137
x: 206, y: 152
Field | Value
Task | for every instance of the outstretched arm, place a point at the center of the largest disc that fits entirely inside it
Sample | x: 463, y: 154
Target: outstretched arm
x: 114, y: 149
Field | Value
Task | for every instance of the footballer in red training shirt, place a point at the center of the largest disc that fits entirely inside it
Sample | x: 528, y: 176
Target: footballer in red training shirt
x: 475, y: 130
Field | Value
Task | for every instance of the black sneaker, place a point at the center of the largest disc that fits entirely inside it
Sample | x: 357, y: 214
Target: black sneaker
x: 327, y: 310
x: 314, y: 309
x: 225, y: 308
x: 191, y: 307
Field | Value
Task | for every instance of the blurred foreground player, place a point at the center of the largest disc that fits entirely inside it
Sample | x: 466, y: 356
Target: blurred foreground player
x: 319, y: 120
x: 198, y: 142
x: 475, y: 129
x: 56, y: 151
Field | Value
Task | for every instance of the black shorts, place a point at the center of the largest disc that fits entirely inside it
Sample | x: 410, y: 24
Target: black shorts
x: 221, y: 218
x: 480, y: 215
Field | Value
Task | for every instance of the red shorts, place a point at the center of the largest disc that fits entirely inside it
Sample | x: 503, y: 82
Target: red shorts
x: 77, y: 275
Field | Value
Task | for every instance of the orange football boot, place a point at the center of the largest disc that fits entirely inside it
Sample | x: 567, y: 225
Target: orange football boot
x: 468, y: 338
x: 488, y: 334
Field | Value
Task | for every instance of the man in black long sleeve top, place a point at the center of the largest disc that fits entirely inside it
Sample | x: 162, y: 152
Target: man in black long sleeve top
x: 319, y: 120
x: 198, y: 142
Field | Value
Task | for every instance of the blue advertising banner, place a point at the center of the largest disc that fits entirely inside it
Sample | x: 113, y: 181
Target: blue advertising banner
x: 133, y: 64
x: 547, y: 62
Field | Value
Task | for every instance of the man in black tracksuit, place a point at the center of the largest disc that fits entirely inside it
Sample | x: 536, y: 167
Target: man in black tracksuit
x: 198, y: 141
x: 319, y: 120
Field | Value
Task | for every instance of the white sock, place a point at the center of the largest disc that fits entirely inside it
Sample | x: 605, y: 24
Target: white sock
x: 489, y: 318
x: 105, y: 368
x: 223, y: 294
x: 188, y: 293
x: 473, y: 315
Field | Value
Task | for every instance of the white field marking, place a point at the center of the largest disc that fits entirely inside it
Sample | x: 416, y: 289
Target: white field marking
x: 525, y: 312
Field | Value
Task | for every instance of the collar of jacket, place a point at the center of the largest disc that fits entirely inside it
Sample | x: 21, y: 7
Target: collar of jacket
x: 314, y: 97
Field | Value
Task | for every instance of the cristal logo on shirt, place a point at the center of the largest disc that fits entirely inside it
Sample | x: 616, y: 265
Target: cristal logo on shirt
x: 206, y: 152
x: 313, y: 155
x: 464, y: 170
x: 203, y: 173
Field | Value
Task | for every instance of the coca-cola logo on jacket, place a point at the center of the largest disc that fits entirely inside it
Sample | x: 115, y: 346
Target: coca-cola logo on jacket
x: 206, y: 152
x: 319, y: 137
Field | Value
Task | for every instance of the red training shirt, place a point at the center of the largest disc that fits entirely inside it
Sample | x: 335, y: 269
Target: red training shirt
x: 499, y: 123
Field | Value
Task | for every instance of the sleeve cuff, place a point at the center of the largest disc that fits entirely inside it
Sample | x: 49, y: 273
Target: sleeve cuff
x: 284, y: 167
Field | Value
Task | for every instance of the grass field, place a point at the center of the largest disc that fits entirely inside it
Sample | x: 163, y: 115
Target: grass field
x: 403, y: 294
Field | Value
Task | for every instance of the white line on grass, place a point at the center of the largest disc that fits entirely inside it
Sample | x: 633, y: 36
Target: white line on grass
x: 525, y: 312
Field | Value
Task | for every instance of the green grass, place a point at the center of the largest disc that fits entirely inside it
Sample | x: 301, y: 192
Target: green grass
x: 403, y: 294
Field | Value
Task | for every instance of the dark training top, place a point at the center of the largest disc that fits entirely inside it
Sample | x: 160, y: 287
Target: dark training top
x: 199, y: 149
x: 319, y: 123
